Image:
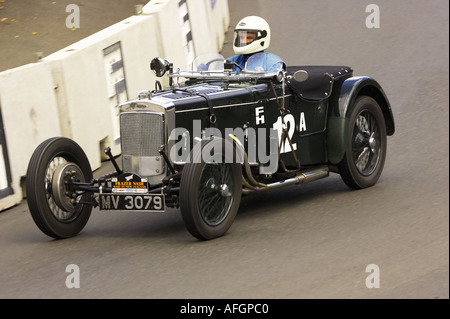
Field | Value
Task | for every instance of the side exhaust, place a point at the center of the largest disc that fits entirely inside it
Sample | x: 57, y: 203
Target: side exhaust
x: 251, y: 185
x: 302, y: 178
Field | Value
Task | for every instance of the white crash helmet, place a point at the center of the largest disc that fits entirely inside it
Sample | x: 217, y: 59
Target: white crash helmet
x: 248, y: 28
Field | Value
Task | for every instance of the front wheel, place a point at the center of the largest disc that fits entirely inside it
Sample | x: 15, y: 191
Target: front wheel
x: 210, y: 190
x: 56, y: 207
x: 365, y: 154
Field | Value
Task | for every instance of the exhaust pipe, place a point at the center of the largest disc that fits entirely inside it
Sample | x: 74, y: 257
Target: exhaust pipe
x: 252, y: 185
x: 302, y: 178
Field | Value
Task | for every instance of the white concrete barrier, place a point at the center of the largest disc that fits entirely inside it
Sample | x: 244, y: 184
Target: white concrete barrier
x: 96, y: 74
x: 219, y: 20
x: 75, y: 92
x: 166, y: 13
x: 30, y: 116
x: 209, y: 23
x: 203, y: 26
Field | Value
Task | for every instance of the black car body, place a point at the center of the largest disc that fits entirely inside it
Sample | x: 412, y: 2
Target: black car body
x: 215, y: 134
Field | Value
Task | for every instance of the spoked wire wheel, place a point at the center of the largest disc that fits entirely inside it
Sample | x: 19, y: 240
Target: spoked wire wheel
x: 365, y: 154
x: 214, y: 196
x: 366, y: 139
x: 210, y: 191
x: 56, y: 207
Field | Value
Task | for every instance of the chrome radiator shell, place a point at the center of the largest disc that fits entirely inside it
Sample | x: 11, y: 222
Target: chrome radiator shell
x: 142, y: 133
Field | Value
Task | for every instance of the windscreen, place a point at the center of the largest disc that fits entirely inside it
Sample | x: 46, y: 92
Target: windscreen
x: 208, y: 62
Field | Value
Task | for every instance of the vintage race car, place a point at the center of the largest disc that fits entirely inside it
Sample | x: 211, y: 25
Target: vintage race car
x: 216, y: 133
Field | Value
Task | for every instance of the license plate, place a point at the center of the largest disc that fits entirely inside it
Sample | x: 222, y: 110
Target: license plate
x: 144, y: 202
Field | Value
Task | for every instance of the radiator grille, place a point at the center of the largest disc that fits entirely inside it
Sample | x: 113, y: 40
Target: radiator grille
x: 141, y: 133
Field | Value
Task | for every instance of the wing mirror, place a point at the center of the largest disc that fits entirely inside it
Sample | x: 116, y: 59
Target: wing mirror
x: 160, y: 66
x: 300, y: 76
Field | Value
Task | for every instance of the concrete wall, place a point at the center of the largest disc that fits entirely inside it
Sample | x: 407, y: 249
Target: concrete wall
x: 75, y: 92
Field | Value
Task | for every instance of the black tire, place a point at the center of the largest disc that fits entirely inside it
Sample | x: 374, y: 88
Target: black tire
x: 210, y: 192
x: 365, y: 154
x: 49, y: 157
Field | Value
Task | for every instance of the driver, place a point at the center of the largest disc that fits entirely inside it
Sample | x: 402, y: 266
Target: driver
x: 252, y: 37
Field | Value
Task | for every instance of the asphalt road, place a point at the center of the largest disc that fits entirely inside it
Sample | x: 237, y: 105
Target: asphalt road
x: 28, y: 27
x: 313, y: 241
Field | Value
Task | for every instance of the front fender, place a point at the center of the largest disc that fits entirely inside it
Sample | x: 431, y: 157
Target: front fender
x: 337, y: 128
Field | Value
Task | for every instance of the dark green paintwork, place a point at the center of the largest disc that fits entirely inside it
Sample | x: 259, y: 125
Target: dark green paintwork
x: 341, y: 108
x: 324, y: 139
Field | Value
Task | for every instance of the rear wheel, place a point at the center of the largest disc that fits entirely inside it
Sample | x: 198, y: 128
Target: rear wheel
x: 210, y: 190
x: 365, y: 155
x: 53, y: 203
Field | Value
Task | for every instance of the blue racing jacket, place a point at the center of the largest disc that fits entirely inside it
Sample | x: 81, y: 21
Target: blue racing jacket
x: 260, y: 61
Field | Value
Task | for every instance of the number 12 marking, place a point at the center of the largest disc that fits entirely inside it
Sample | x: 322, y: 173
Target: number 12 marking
x: 289, y: 123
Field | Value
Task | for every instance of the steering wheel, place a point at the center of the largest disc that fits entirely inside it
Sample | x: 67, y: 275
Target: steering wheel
x: 212, y: 61
x: 228, y: 63
x: 205, y: 66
